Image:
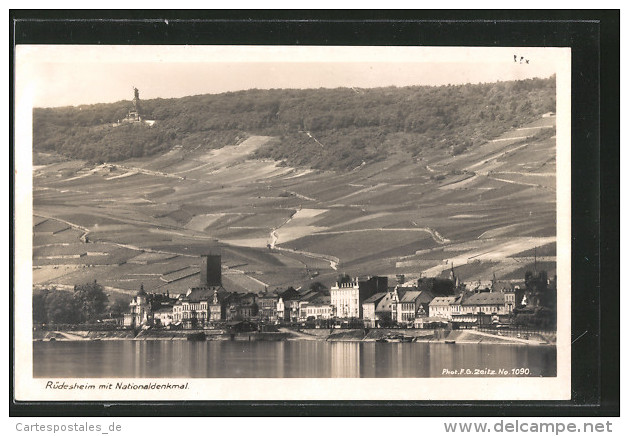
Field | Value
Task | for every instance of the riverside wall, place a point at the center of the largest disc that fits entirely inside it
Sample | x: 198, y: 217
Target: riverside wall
x: 328, y: 335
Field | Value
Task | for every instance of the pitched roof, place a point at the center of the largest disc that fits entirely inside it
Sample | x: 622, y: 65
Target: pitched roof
x: 402, y: 290
x: 164, y: 310
x: 409, y: 296
x: 416, y: 296
x: 407, y: 288
x: 384, y: 305
x: 442, y: 301
x: 321, y: 299
x: 484, y: 298
x: 462, y: 297
x: 290, y: 294
x: 375, y: 298
x: 310, y: 296
x: 205, y: 293
x: 274, y: 295
x: 502, y: 285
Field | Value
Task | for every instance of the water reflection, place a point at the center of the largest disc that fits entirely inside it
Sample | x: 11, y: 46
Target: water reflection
x: 307, y: 359
x: 345, y: 360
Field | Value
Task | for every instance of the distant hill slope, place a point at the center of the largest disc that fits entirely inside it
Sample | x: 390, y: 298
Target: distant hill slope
x: 318, y: 128
x: 488, y: 211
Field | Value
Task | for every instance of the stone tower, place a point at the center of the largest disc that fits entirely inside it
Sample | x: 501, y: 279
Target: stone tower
x: 211, y: 270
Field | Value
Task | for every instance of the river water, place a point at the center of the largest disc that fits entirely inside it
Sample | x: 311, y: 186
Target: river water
x: 307, y: 359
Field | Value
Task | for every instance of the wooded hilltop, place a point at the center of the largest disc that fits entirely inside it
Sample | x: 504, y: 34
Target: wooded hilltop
x: 332, y: 129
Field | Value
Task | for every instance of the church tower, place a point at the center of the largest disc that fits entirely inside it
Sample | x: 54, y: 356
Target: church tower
x: 453, y: 277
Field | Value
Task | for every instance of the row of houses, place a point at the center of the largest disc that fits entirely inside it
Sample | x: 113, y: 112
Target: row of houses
x: 203, y: 307
x: 211, y: 303
x: 371, y: 300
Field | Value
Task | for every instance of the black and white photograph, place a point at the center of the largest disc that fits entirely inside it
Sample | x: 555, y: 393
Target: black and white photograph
x: 292, y: 222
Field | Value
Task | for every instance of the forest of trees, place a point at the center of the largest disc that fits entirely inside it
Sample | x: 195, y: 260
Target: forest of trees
x: 85, y: 304
x: 319, y: 128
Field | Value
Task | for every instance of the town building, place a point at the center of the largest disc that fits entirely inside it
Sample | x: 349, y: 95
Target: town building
x: 163, y: 317
x: 456, y: 306
x: 319, y: 307
x: 313, y: 303
x: 510, y: 291
x: 242, y: 306
x: 217, y: 306
x: 441, y: 307
x: 510, y: 299
x: 281, y: 310
x: 267, y: 306
x: 148, y: 309
x: 408, y: 303
x: 478, y: 285
x: 139, y: 310
x: 347, y: 295
x: 371, y: 318
x: 192, y: 309
x: 369, y: 299
x: 484, y: 308
x: 383, y: 311
x: 204, y: 304
x: 288, y: 305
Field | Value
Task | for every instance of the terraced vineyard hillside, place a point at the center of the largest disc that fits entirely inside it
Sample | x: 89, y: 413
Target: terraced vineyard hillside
x: 146, y: 220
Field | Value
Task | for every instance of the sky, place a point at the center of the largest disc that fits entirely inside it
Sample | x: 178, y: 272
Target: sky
x: 52, y: 76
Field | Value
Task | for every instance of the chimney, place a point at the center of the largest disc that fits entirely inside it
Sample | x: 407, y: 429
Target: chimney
x: 211, y: 270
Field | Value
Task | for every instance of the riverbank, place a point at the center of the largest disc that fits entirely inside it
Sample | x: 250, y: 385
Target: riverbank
x: 288, y: 334
x: 422, y: 335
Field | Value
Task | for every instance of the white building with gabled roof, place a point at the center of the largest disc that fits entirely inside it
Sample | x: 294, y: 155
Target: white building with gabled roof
x: 441, y: 307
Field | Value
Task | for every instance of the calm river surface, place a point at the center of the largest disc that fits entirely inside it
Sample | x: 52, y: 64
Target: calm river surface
x: 123, y: 359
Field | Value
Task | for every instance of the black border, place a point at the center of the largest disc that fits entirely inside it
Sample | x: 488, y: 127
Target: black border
x: 594, y: 38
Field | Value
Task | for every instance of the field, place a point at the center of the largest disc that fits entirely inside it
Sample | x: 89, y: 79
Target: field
x: 490, y: 210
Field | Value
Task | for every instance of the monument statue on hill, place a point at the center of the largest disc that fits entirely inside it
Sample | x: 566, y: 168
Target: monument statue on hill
x: 136, y: 100
x: 135, y: 115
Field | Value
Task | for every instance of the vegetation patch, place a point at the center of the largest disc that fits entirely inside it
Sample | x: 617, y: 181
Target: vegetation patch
x: 364, y: 127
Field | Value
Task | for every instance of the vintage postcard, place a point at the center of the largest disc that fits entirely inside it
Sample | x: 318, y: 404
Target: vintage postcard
x: 292, y: 223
